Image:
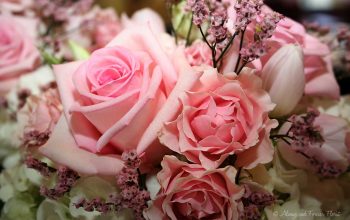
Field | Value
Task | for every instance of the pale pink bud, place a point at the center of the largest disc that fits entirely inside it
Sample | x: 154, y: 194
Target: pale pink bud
x: 283, y: 77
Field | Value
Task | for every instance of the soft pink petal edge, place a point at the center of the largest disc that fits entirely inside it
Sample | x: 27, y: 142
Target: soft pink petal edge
x: 62, y: 149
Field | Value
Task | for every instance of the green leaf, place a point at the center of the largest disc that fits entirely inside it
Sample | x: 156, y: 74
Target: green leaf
x: 79, y: 53
x: 50, y: 58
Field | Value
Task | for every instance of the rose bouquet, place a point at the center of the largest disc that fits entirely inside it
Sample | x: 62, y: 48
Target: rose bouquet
x: 234, y: 113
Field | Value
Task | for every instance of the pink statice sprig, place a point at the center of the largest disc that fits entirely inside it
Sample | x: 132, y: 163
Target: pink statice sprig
x: 217, y: 37
x: 66, y: 178
x: 263, y: 30
x: 302, y: 134
x: 133, y: 194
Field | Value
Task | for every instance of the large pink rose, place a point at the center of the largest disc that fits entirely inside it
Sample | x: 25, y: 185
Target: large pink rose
x: 190, y: 192
x: 109, y: 102
x: 222, y: 117
x: 328, y: 159
x: 18, y: 53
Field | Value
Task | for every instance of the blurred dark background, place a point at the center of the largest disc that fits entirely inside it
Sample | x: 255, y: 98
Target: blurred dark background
x: 323, y: 11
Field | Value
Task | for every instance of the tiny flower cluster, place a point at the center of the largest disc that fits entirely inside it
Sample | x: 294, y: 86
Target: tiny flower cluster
x: 131, y: 195
x: 254, y: 202
x: 200, y: 11
x: 247, y: 11
x: 218, y: 33
x: 61, y: 10
x: 263, y: 31
x: 35, y: 138
x: 324, y: 169
x: 307, y: 137
x: 39, y: 166
x: 66, y: 178
x: 304, y: 132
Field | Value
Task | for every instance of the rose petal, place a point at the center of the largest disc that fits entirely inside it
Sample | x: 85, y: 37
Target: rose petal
x: 75, y: 158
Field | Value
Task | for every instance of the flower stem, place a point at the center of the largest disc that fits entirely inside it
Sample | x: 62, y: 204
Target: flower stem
x: 213, y: 52
x: 170, y: 15
x: 226, y: 48
x: 283, y: 137
x: 189, y: 32
x: 241, y: 68
x: 239, y: 52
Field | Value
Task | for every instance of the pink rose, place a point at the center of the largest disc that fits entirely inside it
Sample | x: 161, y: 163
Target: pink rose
x: 18, y: 53
x: 109, y: 101
x: 319, y: 76
x: 39, y: 117
x: 332, y: 155
x: 198, y: 54
x: 284, y: 72
x: 222, y: 117
x: 190, y: 192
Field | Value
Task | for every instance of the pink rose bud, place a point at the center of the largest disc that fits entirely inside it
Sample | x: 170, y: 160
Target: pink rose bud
x: 283, y: 77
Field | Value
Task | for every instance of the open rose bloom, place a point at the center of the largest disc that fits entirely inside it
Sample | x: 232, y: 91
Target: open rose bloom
x: 232, y: 112
x: 222, y: 117
x: 109, y: 101
x: 189, y: 191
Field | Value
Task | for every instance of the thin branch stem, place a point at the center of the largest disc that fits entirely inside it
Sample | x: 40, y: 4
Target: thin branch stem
x: 189, y: 32
x: 239, y: 52
x: 276, y: 136
x: 303, y: 154
x: 204, y: 38
x: 226, y: 48
x: 241, y: 68
x: 213, y: 52
x: 283, y: 137
x: 170, y: 14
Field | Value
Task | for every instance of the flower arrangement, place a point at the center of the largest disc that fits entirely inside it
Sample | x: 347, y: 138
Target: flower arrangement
x: 234, y: 113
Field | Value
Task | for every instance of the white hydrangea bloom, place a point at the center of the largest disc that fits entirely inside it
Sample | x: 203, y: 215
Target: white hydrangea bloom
x: 336, y: 108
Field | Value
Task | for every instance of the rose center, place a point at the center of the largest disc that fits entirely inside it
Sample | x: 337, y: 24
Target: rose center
x: 4, y: 39
x: 110, y: 75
